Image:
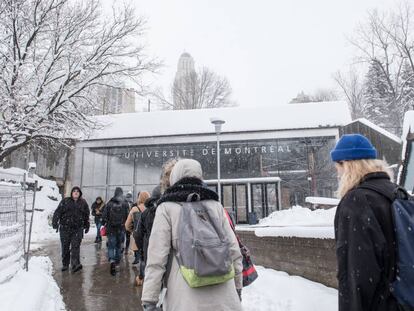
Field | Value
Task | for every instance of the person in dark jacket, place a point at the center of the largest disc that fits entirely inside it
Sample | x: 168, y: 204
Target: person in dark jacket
x: 114, y: 217
x: 97, y: 210
x: 71, y: 218
x: 364, y: 231
x: 143, y: 231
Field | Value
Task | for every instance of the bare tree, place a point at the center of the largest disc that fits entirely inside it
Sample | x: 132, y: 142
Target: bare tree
x: 320, y: 95
x: 386, y: 42
x: 352, y: 87
x: 204, y: 89
x: 324, y: 95
x: 54, y: 54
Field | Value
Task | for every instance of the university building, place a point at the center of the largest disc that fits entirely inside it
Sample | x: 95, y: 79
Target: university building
x: 271, y: 157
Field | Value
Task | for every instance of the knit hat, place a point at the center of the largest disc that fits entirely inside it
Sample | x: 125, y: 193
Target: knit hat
x: 353, y: 147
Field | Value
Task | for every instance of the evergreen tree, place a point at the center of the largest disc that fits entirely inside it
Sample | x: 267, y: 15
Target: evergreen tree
x: 379, y: 104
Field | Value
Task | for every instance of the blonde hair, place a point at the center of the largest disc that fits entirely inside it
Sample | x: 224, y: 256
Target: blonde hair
x: 354, y: 171
x: 166, y: 172
x: 142, y: 197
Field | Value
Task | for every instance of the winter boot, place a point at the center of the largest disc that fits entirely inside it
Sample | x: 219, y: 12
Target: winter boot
x: 113, y: 268
x: 77, y: 268
x: 64, y: 268
x: 136, y: 258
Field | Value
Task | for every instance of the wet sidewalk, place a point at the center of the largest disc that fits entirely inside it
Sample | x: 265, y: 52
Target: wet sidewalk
x: 93, y: 288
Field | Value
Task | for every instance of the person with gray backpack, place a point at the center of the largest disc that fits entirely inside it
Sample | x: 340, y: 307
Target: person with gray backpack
x: 193, y: 254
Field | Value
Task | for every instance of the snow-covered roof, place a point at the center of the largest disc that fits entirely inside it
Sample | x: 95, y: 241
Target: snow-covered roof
x: 183, y: 122
x: 378, y: 129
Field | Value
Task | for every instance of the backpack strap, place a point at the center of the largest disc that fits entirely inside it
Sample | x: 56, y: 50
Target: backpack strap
x: 398, y: 193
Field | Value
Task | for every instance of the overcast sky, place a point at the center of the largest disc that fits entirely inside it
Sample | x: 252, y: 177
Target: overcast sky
x: 269, y: 50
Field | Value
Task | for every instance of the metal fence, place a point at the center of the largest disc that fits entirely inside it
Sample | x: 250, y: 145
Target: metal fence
x: 16, y: 210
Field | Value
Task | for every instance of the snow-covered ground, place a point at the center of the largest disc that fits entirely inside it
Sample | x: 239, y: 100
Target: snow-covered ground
x: 32, y: 291
x: 35, y: 289
x: 296, y: 222
x: 278, y: 291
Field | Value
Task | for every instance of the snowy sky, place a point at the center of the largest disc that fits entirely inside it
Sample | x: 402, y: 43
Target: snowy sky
x: 269, y: 50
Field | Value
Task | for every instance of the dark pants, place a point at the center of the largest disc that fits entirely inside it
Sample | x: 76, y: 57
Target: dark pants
x: 114, y: 244
x: 127, y: 239
x: 142, y: 265
x: 70, y: 240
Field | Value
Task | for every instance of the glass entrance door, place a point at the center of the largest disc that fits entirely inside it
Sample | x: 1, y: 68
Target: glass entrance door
x: 240, y: 203
x: 258, y: 200
x: 271, y: 202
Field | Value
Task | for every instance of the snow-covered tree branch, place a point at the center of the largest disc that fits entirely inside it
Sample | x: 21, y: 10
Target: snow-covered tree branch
x: 54, y: 55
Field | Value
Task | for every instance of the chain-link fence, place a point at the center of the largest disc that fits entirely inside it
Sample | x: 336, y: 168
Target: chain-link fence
x: 16, y: 208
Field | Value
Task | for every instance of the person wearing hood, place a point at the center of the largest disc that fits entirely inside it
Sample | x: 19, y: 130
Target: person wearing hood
x: 71, y: 219
x: 113, y: 218
x: 186, y: 182
x: 97, y: 210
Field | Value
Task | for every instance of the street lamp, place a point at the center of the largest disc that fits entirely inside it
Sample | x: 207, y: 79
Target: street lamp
x: 218, y: 122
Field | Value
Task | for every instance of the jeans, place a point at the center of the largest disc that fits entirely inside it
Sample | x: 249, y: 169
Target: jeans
x: 114, y: 245
x: 98, y: 223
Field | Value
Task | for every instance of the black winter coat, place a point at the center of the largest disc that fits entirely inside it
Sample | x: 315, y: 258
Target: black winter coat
x: 142, y: 232
x: 106, y: 221
x: 365, y: 247
x: 71, y: 215
x: 97, y: 210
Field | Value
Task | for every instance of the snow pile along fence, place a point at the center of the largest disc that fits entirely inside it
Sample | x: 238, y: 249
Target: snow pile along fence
x: 11, y: 232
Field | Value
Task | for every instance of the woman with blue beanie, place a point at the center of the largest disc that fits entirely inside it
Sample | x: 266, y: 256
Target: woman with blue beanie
x: 364, y: 231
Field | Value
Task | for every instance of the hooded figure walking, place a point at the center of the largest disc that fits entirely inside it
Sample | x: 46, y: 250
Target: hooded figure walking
x: 71, y: 218
x: 114, y: 217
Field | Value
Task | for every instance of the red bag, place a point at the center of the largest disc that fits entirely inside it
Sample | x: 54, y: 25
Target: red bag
x: 249, y: 271
x: 103, y: 231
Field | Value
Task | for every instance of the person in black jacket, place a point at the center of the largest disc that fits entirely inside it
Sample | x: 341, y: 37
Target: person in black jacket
x: 114, y: 217
x: 143, y: 231
x: 364, y: 231
x: 71, y: 218
x: 96, y: 211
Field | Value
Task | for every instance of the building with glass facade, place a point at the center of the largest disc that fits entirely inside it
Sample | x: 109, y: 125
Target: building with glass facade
x: 271, y: 158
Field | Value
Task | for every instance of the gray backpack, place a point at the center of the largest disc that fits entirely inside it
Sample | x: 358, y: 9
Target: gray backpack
x: 203, y: 252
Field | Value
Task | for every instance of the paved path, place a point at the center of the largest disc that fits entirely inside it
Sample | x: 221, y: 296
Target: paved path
x: 93, y: 288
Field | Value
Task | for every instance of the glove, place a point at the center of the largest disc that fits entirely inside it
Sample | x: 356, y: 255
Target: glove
x: 239, y: 292
x: 151, y: 307
x: 86, y: 230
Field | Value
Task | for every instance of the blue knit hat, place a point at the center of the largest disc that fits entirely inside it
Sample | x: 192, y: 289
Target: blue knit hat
x: 353, y: 147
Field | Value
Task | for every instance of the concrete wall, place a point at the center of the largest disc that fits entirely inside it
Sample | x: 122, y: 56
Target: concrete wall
x: 313, y: 259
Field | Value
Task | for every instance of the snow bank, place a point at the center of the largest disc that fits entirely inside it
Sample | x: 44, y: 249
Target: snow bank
x: 278, y: 291
x: 32, y: 290
x: 296, y: 222
x: 300, y: 232
x: 300, y: 216
x: 322, y: 201
x: 47, y: 200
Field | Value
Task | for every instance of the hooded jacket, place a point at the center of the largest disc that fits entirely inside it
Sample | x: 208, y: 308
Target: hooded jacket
x: 164, y: 236
x: 118, y: 200
x: 71, y: 214
x: 365, y: 246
